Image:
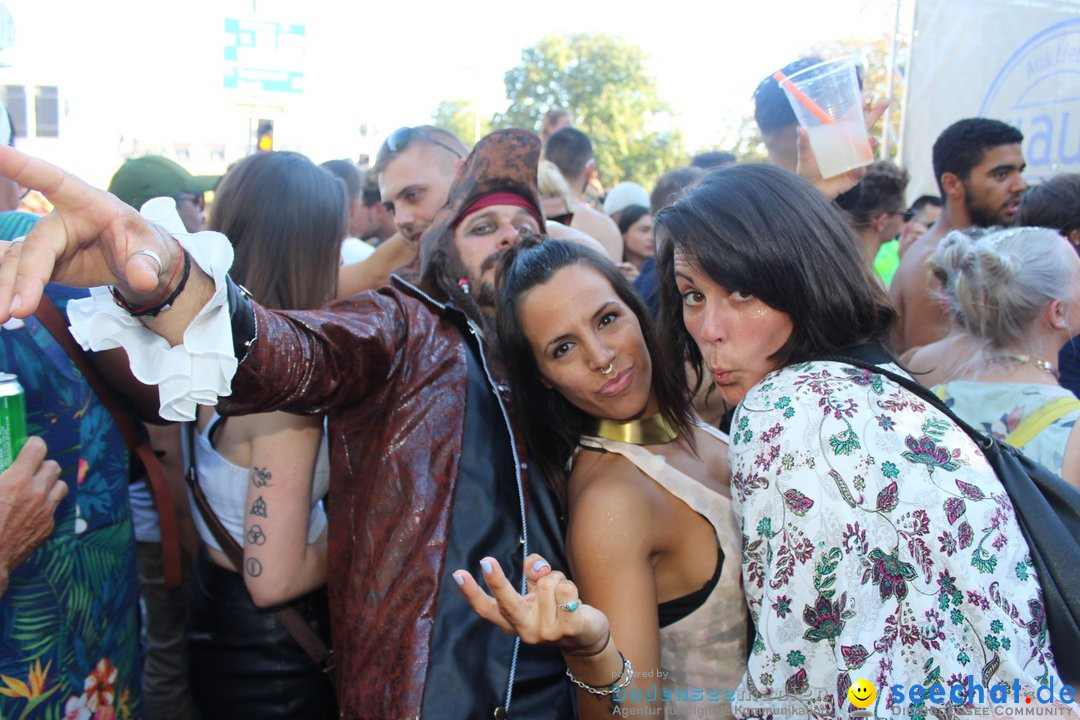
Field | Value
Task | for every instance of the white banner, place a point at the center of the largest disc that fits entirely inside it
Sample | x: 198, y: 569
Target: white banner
x: 1014, y: 61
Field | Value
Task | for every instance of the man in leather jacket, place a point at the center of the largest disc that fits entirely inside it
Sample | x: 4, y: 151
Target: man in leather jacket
x: 429, y: 471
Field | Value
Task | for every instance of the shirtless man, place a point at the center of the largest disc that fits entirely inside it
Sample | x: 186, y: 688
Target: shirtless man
x: 978, y: 164
x: 571, y: 151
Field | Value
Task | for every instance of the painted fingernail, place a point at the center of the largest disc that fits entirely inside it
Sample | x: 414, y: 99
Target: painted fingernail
x: 16, y: 302
x: 459, y: 579
x: 486, y: 565
x: 540, y: 565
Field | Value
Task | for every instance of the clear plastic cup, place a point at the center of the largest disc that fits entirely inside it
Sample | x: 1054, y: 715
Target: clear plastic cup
x: 828, y: 103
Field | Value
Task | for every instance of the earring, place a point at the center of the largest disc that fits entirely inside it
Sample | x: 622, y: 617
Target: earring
x: 463, y: 283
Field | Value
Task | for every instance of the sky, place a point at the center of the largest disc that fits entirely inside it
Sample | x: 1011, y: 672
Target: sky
x: 146, y: 71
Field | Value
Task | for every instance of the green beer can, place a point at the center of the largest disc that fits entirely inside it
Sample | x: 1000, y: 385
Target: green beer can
x: 12, y: 419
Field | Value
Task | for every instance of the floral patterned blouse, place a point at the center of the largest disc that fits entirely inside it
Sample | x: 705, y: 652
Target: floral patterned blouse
x: 877, y: 544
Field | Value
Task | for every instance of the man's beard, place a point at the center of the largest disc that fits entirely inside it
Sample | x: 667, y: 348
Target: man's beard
x: 982, y: 216
x: 482, y: 290
x: 485, y: 296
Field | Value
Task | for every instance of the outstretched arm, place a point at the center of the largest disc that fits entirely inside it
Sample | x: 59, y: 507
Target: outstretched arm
x: 374, y: 272
x: 90, y: 239
x: 309, y: 361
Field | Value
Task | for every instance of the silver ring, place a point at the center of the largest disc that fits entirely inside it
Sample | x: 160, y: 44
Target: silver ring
x: 153, y: 256
x: 609, y: 369
x: 570, y: 606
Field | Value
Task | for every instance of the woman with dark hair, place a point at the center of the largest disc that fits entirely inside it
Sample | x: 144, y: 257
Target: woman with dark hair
x: 1054, y: 204
x: 878, y: 544
x: 651, y: 539
x: 636, y: 225
x: 265, y: 474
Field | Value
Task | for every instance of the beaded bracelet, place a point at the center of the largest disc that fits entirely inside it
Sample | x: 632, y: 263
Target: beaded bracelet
x: 625, y: 676
x: 155, y: 308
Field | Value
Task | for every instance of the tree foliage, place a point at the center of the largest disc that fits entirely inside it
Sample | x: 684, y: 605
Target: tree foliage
x: 749, y: 147
x: 603, y: 81
x: 461, y: 118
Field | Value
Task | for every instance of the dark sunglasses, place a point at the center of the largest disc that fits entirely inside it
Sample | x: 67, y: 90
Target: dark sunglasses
x: 400, y: 139
x: 908, y: 215
x: 198, y: 201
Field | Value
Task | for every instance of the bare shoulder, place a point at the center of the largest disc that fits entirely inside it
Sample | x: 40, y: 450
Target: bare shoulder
x: 615, y: 511
x: 595, y: 223
x: 911, y: 272
x: 603, y: 483
x: 558, y: 231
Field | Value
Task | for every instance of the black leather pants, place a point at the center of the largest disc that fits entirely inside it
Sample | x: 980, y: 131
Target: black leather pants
x: 242, y: 662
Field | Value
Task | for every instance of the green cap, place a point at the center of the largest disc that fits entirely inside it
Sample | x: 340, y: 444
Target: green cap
x: 140, y: 179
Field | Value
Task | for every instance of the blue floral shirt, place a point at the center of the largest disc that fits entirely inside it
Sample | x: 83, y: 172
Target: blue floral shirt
x: 70, y: 644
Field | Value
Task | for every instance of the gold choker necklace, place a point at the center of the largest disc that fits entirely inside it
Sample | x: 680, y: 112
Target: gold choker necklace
x: 1043, y: 365
x: 653, y: 430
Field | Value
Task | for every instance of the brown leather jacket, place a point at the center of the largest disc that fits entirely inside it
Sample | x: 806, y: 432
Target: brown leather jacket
x: 417, y: 420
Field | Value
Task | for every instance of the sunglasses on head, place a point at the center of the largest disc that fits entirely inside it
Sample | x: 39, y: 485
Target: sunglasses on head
x: 400, y: 139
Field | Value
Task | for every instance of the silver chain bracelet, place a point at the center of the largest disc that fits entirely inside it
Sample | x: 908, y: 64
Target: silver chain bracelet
x: 625, y: 676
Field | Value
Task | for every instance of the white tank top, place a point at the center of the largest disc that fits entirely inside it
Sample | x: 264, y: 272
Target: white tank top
x: 702, y: 655
x: 225, y: 486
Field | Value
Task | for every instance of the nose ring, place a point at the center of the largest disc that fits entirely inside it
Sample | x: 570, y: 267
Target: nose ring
x: 609, y: 369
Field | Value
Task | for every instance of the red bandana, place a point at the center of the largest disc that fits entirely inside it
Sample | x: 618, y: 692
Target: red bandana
x: 500, y: 198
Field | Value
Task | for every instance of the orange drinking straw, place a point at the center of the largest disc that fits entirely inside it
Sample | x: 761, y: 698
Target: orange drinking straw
x: 803, y: 98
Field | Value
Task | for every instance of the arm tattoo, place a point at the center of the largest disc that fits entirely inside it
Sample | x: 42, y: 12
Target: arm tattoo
x: 254, y: 567
x: 259, y: 507
x: 256, y: 536
x: 260, y: 477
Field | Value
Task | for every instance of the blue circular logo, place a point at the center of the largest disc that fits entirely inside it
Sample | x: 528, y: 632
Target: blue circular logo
x: 1038, y: 91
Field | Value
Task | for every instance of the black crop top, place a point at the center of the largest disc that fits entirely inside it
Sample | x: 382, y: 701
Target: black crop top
x: 674, y: 610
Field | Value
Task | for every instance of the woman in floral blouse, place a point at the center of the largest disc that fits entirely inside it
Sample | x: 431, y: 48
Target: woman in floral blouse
x: 878, y: 543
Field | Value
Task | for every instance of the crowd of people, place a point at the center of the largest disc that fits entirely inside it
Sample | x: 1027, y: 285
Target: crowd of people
x: 444, y: 439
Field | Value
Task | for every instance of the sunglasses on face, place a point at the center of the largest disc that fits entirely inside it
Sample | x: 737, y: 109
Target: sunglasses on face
x: 908, y: 215
x: 400, y: 139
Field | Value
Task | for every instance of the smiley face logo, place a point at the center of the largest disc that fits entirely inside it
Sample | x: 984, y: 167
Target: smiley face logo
x: 861, y: 693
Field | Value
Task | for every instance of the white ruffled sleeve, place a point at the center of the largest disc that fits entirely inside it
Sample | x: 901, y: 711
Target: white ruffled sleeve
x: 199, y: 371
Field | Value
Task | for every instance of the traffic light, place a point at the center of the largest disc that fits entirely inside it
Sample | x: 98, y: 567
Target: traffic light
x: 264, y: 136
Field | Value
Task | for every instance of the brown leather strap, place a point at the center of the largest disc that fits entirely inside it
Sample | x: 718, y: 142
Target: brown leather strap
x: 57, y: 326
x: 289, y: 617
